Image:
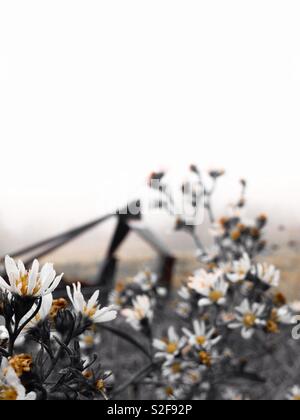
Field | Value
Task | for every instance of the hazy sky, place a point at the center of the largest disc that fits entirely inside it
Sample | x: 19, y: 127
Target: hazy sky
x: 95, y: 94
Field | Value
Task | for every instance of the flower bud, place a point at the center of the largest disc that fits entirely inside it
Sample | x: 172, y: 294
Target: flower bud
x: 64, y: 321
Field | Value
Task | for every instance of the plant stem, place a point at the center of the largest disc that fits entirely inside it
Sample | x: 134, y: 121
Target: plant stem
x: 18, y: 329
x: 142, y: 373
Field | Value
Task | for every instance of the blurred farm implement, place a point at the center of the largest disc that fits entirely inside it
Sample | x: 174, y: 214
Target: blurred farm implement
x: 127, y: 223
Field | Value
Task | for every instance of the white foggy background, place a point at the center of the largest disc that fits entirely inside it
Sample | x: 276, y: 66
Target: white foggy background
x: 94, y: 95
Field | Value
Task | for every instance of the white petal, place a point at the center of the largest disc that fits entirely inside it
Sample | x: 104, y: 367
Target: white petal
x: 46, y: 306
x: 31, y: 396
x: 54, y: 285
x: 204, y: 302
x: 105, y: 317
x: 21, y: 268
x: 247, y: 333
x: 173, y: 337
x: 199, y: 328
x: 93, y: 300
x: 33, y: 277
x: 187, y: 332
x: 79, y: 301
x: 234, y: 325
x: 11, y: 268
x: 159, y: 345
x: 4, y: 285
x: 47, y: 277
x: 69, y: 293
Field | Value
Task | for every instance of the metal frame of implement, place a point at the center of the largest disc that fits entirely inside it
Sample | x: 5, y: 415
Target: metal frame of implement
x: 106, y: 276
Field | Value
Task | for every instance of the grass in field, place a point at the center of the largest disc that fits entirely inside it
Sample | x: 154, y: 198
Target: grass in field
x: 288, y: 261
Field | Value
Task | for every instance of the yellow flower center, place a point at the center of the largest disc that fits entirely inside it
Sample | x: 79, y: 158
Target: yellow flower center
x: 120, y: 287
x: 100, y: 385
x: 215, y: 296
x: 296, y: 398
x: 169, y: 391
x: 205, y: 358
x: 272, y: 327
x: 235, y: 235
x: 22, y: 285
x: 58, y: 305
x: 176, y: 368
x: 8, y: 393
x: 90, y: 312
x: 249, y: 320
x: 201, y: 340
x: 171, y: 348
x: 140, y: 313
x: 194, y: 377
x: 89, y: 340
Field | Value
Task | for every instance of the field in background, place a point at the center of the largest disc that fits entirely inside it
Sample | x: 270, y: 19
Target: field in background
x: 289, y: 264
x: 288, y: 261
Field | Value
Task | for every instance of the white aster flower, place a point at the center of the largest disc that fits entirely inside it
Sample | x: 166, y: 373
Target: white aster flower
x: 217, y: 230
x: 170, y: 393
x: 284, y: 315
x: 294, y: 393
x: 200, y: 338
x: 193, y: 375
x: 91, y: 309
x: 11, y: 388
x: 32, y: 283
x: 268, y: 274
x: 184, y: 293
x: 248, y: 318
x: 171, y: 347
x: 146, y: 280
x: 89, y: 340
x: 231, y: 394
x: 202, y: 280
x: 295, y: 306
x: 162, y: 292
x: 183, y: 309
x: 227, y: 317
x: 173, y: 370
x: 240, y: 269
x: 215, y: 294
x: 140, y: 312
x: 116, y: 299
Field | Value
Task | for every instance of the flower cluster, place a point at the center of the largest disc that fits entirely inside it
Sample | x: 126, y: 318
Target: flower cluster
x: 40, y: 342
x: 137, y: 298
x: 218, y: 306
x: 198, y: 341
x: 227, y: 311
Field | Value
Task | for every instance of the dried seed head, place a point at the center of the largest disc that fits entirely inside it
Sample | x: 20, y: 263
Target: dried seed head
x: 58, y: 305
x: 235, y: 235
x: 279, y: 299
x: 272, y: 327
x: 21, y: 364
x: 216, y: 173
x: 194, y: 169
x: 255, y: 233
x: 8, y: 393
